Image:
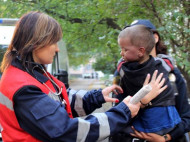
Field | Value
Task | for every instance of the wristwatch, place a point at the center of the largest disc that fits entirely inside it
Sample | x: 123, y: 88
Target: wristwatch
x: 149, y: 104
x: 165, y: 137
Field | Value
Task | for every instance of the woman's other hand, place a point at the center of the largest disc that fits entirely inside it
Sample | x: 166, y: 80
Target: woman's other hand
x: 113, y: 88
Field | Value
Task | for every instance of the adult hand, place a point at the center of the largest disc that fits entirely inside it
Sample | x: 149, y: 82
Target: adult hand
x: 134, y: 108
x: 156, y: 84
x: 115, y: 89
x: 151, y: 137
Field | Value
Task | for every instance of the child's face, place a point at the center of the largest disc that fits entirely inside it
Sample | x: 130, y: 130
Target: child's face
x: 129, y: 53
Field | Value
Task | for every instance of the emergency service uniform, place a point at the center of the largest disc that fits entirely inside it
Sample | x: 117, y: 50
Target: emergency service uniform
x: 30, y: 111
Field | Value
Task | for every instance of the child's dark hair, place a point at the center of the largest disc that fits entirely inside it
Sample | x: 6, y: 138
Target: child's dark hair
x: 139, y: 36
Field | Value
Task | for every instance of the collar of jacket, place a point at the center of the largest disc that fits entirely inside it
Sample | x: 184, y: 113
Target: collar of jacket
x: 36, y: 72
x: 136, y: 65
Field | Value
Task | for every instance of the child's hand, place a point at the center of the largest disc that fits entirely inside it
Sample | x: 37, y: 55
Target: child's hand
x: 114, y: 88
x: 156, y: 84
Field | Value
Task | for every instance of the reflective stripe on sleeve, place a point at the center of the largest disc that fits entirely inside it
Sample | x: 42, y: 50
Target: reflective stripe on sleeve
x: 6, y: 101
x: 79, y: 103
x: 71, y: 93
x: 104, y: 129
x: 83, y: 130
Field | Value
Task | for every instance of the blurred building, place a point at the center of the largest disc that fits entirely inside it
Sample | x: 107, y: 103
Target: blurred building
x: 85, y: 71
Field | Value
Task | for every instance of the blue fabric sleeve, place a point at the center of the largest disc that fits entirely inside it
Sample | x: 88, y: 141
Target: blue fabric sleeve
x: 120, y: 124
x: 89, y: 101
x: 182, y: 107
x: 47, y: 120
x: 92, y: 100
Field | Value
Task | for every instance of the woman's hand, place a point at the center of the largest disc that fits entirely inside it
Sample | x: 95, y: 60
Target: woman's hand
x: 156, y: 84
x: 134, y: 108
x: 115, y: 89
x: 151, y: 137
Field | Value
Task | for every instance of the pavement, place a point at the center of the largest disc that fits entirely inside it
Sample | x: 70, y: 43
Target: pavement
x: 87, y: 84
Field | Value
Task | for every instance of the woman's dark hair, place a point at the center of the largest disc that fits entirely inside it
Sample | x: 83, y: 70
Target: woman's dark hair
x: 161, y: 48
x: 34, y: 30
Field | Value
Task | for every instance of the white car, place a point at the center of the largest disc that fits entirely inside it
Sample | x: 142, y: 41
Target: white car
x: 87, y: 75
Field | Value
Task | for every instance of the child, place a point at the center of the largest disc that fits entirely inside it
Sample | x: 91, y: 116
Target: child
x: 159, y: 116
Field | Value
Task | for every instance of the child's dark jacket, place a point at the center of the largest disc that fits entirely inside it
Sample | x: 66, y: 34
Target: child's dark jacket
x: 133, y: 76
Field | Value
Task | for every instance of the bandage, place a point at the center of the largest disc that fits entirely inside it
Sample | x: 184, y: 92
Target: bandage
x: 140, y: 94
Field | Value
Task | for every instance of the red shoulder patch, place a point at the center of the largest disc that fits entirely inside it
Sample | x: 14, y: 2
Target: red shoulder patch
x: 168, y: 62
x: 119, y: 65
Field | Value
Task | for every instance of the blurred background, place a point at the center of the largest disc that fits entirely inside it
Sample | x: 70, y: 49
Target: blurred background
x: 90, y: 30
x: 89, y: 51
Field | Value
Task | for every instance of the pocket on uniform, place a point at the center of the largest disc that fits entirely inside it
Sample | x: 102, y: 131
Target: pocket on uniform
x: 44, y: 107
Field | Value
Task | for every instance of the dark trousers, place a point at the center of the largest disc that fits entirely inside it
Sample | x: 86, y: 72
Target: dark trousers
x: 180, y: 139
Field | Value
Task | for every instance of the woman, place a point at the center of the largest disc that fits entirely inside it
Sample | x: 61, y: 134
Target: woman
x: 34, y: 106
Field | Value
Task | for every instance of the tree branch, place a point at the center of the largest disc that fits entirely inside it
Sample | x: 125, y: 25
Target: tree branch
x: 109, y: 21
x: 155, y: 12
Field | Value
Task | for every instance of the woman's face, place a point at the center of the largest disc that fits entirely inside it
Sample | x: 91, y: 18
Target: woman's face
x: 46, y: 54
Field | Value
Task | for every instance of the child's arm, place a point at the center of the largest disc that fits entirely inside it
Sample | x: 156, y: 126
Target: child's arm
x: 155, y: 91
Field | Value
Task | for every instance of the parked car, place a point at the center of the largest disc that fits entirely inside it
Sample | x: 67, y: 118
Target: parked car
x: 86, y: 75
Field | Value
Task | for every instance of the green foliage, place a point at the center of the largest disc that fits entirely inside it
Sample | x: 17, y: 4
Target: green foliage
x: 104, y: 64
x: 90, y: 27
